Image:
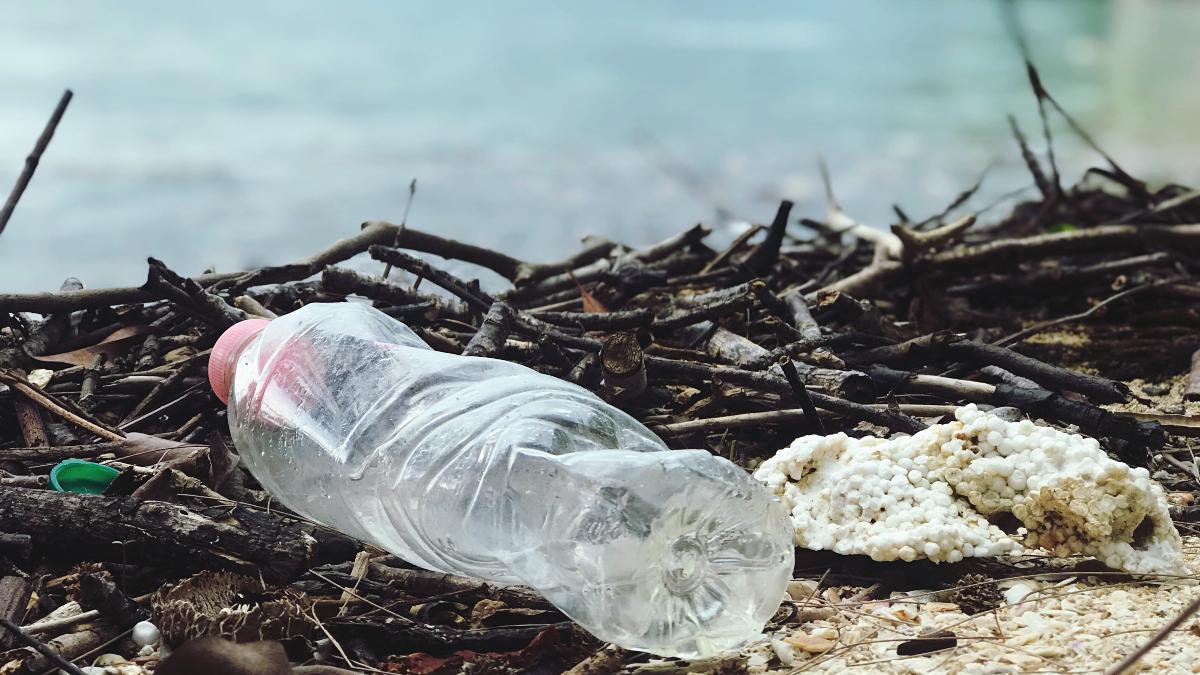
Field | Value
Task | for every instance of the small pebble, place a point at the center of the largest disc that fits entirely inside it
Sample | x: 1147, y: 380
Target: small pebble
x: 40, y: 377
x: 1155, y: 389
x: 809, y: 643
x: 145, y: 634
x: 1018, y: 592
x: 801, y: 590
x: 105, y: 660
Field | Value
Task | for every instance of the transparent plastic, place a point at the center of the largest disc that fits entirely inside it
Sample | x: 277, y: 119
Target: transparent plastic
x: 489, y: 469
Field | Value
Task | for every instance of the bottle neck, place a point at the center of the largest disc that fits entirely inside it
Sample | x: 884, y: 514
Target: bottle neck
x: 222, y: 361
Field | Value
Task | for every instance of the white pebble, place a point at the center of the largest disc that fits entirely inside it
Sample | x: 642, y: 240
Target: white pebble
x: 145, y: 634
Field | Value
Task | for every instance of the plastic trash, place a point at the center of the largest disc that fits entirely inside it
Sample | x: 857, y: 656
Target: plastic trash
x: 82, y: 477
x: 486, y: 468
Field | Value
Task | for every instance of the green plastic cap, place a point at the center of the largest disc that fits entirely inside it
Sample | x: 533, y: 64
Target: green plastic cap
x: 81, y: 476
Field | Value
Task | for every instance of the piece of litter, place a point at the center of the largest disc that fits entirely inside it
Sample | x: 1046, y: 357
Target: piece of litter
x: 946, y: 493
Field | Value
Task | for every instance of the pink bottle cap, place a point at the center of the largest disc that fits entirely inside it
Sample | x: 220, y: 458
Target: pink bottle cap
x: 228, y: 347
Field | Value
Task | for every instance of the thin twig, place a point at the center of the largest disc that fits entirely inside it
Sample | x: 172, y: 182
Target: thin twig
x: 412, y: 191
x: 1039, y: 327
x: 31, y: 162
x: 1129, y: 661
x: 40, y: 647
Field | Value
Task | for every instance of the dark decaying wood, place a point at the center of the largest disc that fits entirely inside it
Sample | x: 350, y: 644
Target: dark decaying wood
x: 624, y: 366
x: 14, y: 600
x: 148, y: 532
x: 1192, y: 391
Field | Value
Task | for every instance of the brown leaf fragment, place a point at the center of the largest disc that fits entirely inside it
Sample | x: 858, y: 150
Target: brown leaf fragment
x: 590, y: 303
x: 112, y: 345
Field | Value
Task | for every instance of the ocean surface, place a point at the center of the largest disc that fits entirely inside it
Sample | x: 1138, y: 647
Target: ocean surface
x: 228, y: 134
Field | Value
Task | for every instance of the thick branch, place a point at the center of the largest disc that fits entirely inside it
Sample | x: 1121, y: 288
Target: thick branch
x: 134, y: 531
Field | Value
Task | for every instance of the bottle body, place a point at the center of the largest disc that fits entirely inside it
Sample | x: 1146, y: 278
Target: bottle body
x: 486, y: 468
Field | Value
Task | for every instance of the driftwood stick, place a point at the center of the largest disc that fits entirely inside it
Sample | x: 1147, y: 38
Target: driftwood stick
x: 916, y: 383
x: 494, y: 330
x: 1192, y: 392
x: 166, y: 284
x: 31, y: 162
x: 131, y: 530
x: 604, y: 267
x: 340, y: 250
x: 538, y: 291
x: 801, y: 393
x: 253, y: 307
x: 624, y: 366
x: 29, y: 419
x: 784, y: 417
x: 956, y: 346
x: 766, y: 254
x: 865, y: 283
x: 770, y: 382
x: 722, y: 344
x: 579, y: 372
x: 1063, y: 274
x: 517, y: 271
x: 594, y: 250
x: 732, y: 249
x: 15, y: 592
x: 600, y: 321
x: 800, y: 315
x: 917, y: 243
x: 693, y: 315
x: 1098, y: 388
x: 1031, y: 162
x: 52, y: 656
x: 60, y: 408
x: 347, y: 282
x: 91, y: 379
x: 605, y: 661
x: 478, y: 300
x: 666, y: 247
x: 1023, y: 393
x: 57, y: 453
x: 426, y: 583
x: 1099, y: 238
x: 425, y: 242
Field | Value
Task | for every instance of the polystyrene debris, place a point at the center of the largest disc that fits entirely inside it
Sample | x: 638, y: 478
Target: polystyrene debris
x: 941, y: 493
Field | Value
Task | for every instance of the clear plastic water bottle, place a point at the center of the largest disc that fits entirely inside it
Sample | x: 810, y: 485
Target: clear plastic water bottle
x: 486, y: 468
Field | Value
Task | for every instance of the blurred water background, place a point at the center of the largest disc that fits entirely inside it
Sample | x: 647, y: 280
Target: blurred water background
x: 227, y: 134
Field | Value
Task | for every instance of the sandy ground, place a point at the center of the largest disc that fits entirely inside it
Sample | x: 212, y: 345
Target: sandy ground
x: 1046, y: 624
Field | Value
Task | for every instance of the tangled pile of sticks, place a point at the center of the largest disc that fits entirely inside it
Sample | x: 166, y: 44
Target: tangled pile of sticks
x: 796, y: 326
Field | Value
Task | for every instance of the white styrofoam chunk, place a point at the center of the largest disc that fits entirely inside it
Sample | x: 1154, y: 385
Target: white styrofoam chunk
x: 930, y: 495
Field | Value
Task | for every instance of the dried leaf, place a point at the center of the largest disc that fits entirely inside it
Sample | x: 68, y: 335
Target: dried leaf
x: 147, y: 450
x: 590, y: 303
x: 112, y: 345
